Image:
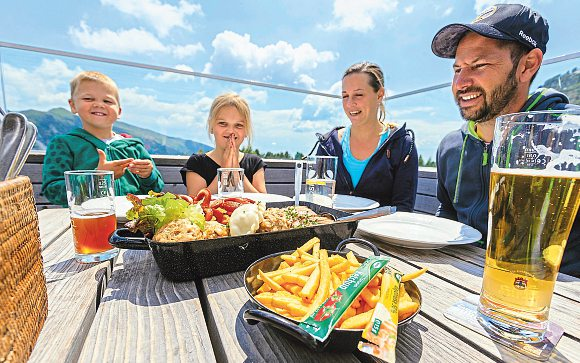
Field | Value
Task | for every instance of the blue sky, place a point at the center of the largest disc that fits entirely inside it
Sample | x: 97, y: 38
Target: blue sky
x: 303, y: 44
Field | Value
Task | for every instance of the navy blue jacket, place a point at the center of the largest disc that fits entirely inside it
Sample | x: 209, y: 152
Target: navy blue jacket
x: 390, y: 176
x: 463, y: 170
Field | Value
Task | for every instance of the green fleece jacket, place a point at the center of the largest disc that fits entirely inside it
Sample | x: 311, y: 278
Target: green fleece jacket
x: 77, y: 151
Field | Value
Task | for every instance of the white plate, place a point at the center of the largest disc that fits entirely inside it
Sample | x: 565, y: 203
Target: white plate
x: 351, y: 203
x: 267, y: 198
x: 421, y: 231
x: 122, y: 205
x: 346, y: 203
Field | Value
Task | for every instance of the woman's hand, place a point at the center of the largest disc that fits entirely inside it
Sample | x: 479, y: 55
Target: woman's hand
x: 142, y: 167
x: 117, y: 166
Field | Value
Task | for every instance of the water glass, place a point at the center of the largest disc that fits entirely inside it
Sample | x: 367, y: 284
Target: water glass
x: 230, y: 182
x: 321, y: 179
x: 91, y: 201
x: 534, y: 195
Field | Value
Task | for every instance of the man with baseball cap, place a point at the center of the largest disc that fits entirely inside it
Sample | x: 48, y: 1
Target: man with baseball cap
x: 497, y: 56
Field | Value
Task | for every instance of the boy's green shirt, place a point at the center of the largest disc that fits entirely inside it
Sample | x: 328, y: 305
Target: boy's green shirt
x: 77, y: 151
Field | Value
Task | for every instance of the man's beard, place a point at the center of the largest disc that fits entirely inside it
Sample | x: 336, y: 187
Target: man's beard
x: 501, y: 96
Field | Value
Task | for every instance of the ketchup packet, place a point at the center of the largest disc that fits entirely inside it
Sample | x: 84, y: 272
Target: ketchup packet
x: 381, y: 330
x: 321, y: 322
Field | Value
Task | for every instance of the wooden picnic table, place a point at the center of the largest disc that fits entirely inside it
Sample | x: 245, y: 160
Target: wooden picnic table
x: 124, y: 310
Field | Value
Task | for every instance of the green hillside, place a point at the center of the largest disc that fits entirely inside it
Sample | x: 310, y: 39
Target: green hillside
x: 60, y: 121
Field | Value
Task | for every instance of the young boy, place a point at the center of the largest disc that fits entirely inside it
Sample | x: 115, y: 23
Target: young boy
x: 95, y: 98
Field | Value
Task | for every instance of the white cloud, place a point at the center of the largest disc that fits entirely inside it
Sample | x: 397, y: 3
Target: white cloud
x: 232, y: 49
x: 43, y: 87
x: 481, y: 5
x: 253, y: 96
x: 359, y: 15
x: 172, y: 77
x: 306, y: 80
x: 121, y: 42
x: 128, y: 41
x: 161, y: 16
x: 448, y: 11
x: 409, y: 9
x: 329, y: 107
x: 189, y: 50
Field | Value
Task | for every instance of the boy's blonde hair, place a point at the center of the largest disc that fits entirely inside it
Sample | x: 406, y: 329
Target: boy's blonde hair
x: 230, y: 99
x: 95, y: 77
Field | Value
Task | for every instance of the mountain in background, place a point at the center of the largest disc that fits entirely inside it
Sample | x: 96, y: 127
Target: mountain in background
x: 61, y: 121
x: 568, y: 83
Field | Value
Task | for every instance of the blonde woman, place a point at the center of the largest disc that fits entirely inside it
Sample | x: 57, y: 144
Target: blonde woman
x: 229, y: 123
x: 376, y: 160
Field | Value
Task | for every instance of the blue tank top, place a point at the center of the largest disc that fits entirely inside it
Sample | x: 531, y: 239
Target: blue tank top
x: 354, y: 166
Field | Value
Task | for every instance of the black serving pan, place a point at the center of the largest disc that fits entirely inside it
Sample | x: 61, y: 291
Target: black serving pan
x: 340, y: 340
x: 186, y: 261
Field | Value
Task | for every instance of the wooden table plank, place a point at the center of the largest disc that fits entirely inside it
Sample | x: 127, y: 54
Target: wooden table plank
x: 74, y: 291
x: 440, y: 293
x: 52, y: 224
x: 569, y: 286
x: 145, y: 318
x: 425, y: 341
x: 236, y: 341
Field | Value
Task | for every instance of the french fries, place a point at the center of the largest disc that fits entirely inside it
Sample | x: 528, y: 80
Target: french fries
x: 308, y: 276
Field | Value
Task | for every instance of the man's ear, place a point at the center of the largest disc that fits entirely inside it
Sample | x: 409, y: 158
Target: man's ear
x: 72, y: 106
x: 529, y: 65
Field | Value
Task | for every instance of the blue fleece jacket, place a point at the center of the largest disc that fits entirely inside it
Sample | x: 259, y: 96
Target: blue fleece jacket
x: 391, y: 174
x: 463, y: 170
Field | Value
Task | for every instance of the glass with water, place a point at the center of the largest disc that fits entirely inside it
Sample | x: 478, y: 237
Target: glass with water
x: 321, y: 179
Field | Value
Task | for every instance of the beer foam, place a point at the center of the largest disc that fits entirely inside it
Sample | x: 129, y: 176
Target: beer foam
x: 551, y: 173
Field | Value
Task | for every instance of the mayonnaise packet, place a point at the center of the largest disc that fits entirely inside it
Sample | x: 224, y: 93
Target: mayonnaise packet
x: 321, y: 322
x: 381, y: 330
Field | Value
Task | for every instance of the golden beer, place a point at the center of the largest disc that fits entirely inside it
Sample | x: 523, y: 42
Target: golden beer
x: 531, y: 213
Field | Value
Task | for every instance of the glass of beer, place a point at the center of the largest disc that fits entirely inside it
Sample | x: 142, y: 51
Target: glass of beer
x: 321, y: 179
x: 534, y: 194
x: 91, y: 201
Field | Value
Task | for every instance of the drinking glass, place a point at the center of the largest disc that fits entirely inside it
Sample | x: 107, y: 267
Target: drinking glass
x: 230, y: 182
x: 534, y: 195
x: 321, y: 179
x: 91, y: 201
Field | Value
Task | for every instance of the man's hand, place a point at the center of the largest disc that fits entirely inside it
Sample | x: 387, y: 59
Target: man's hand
x: 117, y: 166
x: 141, y: 167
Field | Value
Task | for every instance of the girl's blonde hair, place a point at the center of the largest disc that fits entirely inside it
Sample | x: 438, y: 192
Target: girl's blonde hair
x: 95, y: 77
x: 230, y: 99
x: 376, y: 80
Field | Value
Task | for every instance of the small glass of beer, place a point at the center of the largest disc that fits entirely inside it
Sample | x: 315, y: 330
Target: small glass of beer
x: 534, y: 194
x: 91, y: 201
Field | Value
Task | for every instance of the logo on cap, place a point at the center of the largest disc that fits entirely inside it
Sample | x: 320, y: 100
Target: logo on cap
x: 485, y: 14
x: 527, y: 38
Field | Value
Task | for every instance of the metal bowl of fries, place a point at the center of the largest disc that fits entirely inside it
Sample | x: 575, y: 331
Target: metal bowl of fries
x: 286, y: 318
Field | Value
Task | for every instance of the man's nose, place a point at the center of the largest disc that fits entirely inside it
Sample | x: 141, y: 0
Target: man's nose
x: 462, y: 79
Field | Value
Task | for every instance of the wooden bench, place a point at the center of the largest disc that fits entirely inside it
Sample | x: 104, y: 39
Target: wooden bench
x: 279, y: 179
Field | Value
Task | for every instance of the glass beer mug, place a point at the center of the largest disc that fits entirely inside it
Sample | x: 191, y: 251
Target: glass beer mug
x: 534, y: 195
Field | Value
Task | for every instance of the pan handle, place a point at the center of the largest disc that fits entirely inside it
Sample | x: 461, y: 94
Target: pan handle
x: 254, y: 316
x: 361, y: 241
x: 123, y: 238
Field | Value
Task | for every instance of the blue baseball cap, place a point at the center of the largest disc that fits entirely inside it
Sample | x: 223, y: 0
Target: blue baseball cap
x: 513, y: 22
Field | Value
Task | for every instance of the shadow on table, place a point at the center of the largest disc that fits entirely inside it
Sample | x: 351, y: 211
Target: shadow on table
x: 262, y: 342
x: 410, y: 343
x: 137, y: 278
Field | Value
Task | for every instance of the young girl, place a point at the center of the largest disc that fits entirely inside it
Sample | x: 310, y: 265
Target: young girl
x: 376, y: 160
x: 229, y: 122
